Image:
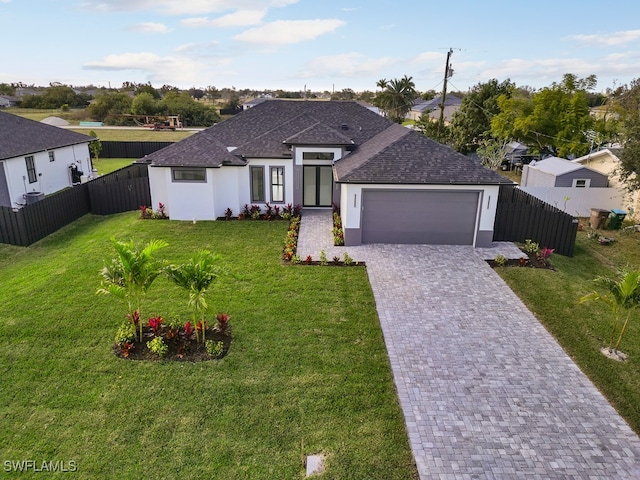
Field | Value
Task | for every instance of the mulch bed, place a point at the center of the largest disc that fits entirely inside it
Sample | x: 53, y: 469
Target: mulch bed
x: 181, y: 349
x: 528, y: 260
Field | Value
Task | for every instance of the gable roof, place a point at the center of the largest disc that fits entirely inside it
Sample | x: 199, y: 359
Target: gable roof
x: 556, y: 166
x: 614, y: 153
x: 20, y: 136
x: 403, y: 156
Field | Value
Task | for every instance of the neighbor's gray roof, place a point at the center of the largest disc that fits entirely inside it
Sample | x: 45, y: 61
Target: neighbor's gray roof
x: 403, y: 156
x: 428, y: 105
x: 20, y: 136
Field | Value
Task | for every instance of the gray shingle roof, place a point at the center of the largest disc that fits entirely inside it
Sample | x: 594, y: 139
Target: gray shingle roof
x: 403, y: 156
x: 384, y: 152
x: 20, y: 136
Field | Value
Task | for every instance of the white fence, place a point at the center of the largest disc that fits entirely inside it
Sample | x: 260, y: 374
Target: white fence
x: 579, y: 201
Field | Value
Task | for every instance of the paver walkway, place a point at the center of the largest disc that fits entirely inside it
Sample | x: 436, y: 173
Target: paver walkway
x: 486, y: 391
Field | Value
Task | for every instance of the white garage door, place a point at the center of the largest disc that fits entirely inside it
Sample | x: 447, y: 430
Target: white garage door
x: 441, y: 217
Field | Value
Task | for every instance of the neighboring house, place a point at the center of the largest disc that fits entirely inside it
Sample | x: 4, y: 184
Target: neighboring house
x: 38, y: 159
x: 393, y: 185
x: 607, y: 162
x: 559, y: 172
x: 570, y: 186
x: 432, y: 108
x: 7, y: 101
x: 254, y: 102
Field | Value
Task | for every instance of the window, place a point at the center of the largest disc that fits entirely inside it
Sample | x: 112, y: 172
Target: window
x: 31, y: 169
x: 582, y: 183
x: 317, y: 155
x: 277, y: 184
x: 196, y: 175
x: 257, y: 184
x: 52, y: 157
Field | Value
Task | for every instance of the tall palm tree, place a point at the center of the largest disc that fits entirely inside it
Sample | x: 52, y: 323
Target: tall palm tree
x: 397, y: 97
x: 131, y: 273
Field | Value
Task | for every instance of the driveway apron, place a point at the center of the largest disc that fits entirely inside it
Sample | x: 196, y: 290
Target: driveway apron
x: 485, y: 390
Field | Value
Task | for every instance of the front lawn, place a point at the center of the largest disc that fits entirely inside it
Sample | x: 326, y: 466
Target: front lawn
x: 582, y: 329
x: 307, y: 371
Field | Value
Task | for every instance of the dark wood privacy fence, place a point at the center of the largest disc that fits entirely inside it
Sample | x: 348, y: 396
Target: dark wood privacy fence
x: 130, y: 149
x: 520, y: 216
x: 120, y: 191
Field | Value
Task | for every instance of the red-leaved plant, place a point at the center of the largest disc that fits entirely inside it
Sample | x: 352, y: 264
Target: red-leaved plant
x: 155, y: 323
x: 188, y: 330
x: 222, y: 324
x: 135, y: 317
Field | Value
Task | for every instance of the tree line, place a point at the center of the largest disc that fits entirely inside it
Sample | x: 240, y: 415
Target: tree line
x: 567, y: 119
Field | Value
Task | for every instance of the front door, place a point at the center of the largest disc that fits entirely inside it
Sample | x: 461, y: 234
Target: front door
x: 318, y: 185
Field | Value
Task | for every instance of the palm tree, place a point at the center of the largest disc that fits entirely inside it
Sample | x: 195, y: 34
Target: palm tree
x: 131, y: 273
x: 622, y: 300
x: 397, y: 97
x: 195, y: 276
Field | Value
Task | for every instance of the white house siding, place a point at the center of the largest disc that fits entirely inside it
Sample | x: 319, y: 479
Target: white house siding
x: 159, y: 181
x: 51, y: 176
x: 533, y: 176
x: 579, y: 201
x: 227, y: 189
x: 351, y: 207
x: 245, y: 180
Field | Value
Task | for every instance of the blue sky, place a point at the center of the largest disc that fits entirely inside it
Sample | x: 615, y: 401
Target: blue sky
x: 320, y: 44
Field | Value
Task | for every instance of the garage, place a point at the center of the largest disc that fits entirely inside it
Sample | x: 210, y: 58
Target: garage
x: 436, y: 217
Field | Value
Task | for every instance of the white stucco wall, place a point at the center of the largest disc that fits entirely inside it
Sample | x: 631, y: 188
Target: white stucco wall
x: 244, y: 180
x: 51, y: 176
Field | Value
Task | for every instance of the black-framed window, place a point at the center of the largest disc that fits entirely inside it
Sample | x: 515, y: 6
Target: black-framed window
x: 31, y: 169
x: 317, y: 155
x: 257, y: 184
x: 277, y: 184
x: 193, y: 175
x: 52, y: 156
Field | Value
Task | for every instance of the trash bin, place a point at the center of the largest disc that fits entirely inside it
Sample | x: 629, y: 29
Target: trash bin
x: 616, y: 218
x: 598, y: 218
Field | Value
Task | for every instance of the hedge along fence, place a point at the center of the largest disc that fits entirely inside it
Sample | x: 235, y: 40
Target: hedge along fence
x: 120, y: 191
x: 112, y: 149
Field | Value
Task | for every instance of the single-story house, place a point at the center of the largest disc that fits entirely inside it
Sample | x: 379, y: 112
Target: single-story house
x: 570, y: 186
x: 559, y: 172
x: 393, y: 185
x: 7, y: 101
x: 607, y: 162
x: 432, y: 108
x: 37, y: 159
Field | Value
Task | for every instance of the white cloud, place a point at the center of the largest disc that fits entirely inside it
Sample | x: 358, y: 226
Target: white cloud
x: 608, y: 39
x: 349, y: 65
x: 428, y: 57
x: 197, y: 48
x: 157, y: 69
x: 150, y: 27
x: 184, y: 7
x: 236, y: 19
x: 282, y: 32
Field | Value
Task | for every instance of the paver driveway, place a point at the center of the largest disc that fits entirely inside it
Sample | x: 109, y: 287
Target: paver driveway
x: 486, y: 391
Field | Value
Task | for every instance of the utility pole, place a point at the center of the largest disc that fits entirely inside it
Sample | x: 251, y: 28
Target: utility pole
x: 448, y: 73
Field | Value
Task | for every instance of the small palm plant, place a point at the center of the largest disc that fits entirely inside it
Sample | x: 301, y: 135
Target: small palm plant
x: 131, y: 273
x: 196, y: 276
x: 623, y: 299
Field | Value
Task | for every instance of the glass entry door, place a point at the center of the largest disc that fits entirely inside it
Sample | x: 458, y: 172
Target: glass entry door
x: 318, y: 185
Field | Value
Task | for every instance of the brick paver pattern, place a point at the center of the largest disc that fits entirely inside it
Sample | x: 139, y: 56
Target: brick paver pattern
x: 486, y: 391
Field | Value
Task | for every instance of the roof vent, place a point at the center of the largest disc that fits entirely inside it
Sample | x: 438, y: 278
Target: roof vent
x: 344, y: 126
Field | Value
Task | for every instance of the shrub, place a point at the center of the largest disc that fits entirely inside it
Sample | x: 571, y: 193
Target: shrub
x: 126, y: 333
x: 347, y: 259
x: 500, y: 260
x: 530, y: 246
x: 214, y: 348
x: 158, y: 346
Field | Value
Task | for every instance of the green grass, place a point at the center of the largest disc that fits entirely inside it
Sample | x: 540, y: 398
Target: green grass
x: 307, y: 371
x: 582, y: 329
x: 108, y: 165
x: 136, y: 134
